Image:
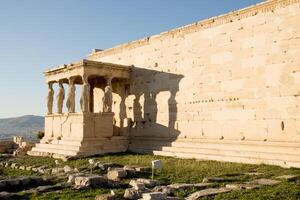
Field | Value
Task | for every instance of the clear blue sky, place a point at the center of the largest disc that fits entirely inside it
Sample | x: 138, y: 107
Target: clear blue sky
x: 35, y: 35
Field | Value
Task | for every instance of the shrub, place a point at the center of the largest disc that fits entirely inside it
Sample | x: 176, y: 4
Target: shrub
x: 40, y: 135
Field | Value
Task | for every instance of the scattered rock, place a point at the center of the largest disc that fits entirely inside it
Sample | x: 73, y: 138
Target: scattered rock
x: 71, y: 178
x: 213, y: 179
x: 34, y: 169
x: 29, y: 168
x: 45, y: 188
x: 24, y: 181
x: 264, y: 181
x: 67, y: 169
x: 37, y: 180
x: 105, y: 166
x: 238, y: 186
x: 106, y: 197
x: 131, y: 193
x: 253, y: 173
x: 137, y: 185
x: 21, y: 181
x: 13, y: 165
x: 2, y: 184
x: 189, y: 186
x: 130, y: 170
x: 7, y: 195
x: 57, y: 170
x: 165, y: 189
x: 170, y: 189
x: 22, y: 167
x: 207, y: 192
x: 154, y: 196
x: 287, y: 177
x: 116, y: 174
x: 148, y: 182
x: 43, y: 169
x: 12, y: 182
x: 143, y: 169
x: 90, y: 181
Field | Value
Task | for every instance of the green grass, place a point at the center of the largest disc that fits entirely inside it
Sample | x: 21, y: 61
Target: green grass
x: 67, y: 194
x: 179, y: 171
x: 11, y: 173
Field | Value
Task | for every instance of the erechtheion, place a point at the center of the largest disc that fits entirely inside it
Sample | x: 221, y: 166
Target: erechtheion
x: 225, y: 88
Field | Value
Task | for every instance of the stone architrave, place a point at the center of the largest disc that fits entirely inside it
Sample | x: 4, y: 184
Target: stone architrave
x: 71, y: 97
x: 50, y: 98
x: 85, y: 95
x: 60, y: 98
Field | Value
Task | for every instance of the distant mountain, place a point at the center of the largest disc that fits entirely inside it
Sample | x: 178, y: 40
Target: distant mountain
x: 25, y: 126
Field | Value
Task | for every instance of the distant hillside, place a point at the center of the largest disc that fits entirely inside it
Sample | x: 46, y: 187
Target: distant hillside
x: 25, y: 126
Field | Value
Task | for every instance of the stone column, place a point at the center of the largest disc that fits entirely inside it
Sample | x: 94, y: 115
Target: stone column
x: 71, y: 96
x: 107, y: 98
x: 60, y: 97
x: 50, y: 98
x: 85, y: 95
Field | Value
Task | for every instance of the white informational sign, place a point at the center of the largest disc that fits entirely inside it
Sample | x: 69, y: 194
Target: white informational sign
x: 156, y: 164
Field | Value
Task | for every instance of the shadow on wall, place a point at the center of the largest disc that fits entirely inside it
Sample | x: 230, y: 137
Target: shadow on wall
x: 153, y: 109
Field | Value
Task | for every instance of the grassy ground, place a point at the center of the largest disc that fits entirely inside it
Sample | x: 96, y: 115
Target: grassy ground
x: 177, y: 171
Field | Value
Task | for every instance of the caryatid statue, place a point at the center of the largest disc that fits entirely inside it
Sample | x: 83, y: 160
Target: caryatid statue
x: 50, y: 98
x: 60, y: 98
x: 71, y: 96
x: 107, y: 98
x: 85, y: 95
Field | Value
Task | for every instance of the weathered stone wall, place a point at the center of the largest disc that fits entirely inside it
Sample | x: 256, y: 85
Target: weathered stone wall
x: 234, y: 77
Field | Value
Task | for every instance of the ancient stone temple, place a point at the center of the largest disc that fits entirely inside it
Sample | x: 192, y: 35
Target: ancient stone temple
x: 89, y: 131
x: 225, y: 88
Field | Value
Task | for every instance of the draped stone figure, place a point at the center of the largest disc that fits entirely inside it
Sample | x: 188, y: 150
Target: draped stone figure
x: 85, y: 96
x: 107, y: 99
x: 71, y: 97
x: 60, y: 98
x: 50, y: 98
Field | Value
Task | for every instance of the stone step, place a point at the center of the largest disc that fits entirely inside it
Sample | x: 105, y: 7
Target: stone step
x: 238, y: 152
x: 227, y: 141
x: 54, y: 151
x: 245, y: 146
x: 91, y: 141
x: 228, y: 158
x: 58, y: 146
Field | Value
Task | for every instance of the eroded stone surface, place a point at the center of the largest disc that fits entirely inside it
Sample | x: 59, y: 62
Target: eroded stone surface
x: 207, y: 192
x: 213, y: 179
x: 116, y: 174
x: 131, y: 193
x: 90, y: 181
x: 287, y: 177
x: 264, y: 181
x: 148, y: 182
x: 154, y: 196
x: 238, y: 186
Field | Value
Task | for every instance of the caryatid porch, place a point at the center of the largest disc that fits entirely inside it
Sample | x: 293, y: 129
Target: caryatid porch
x: 88, y: 131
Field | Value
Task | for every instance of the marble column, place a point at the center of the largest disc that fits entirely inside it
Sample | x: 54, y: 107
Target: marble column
x: 85, y: 95
x: 50, y: 98
x: 60, y: 97
x: 71, y: 96
x: 107, y: 98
